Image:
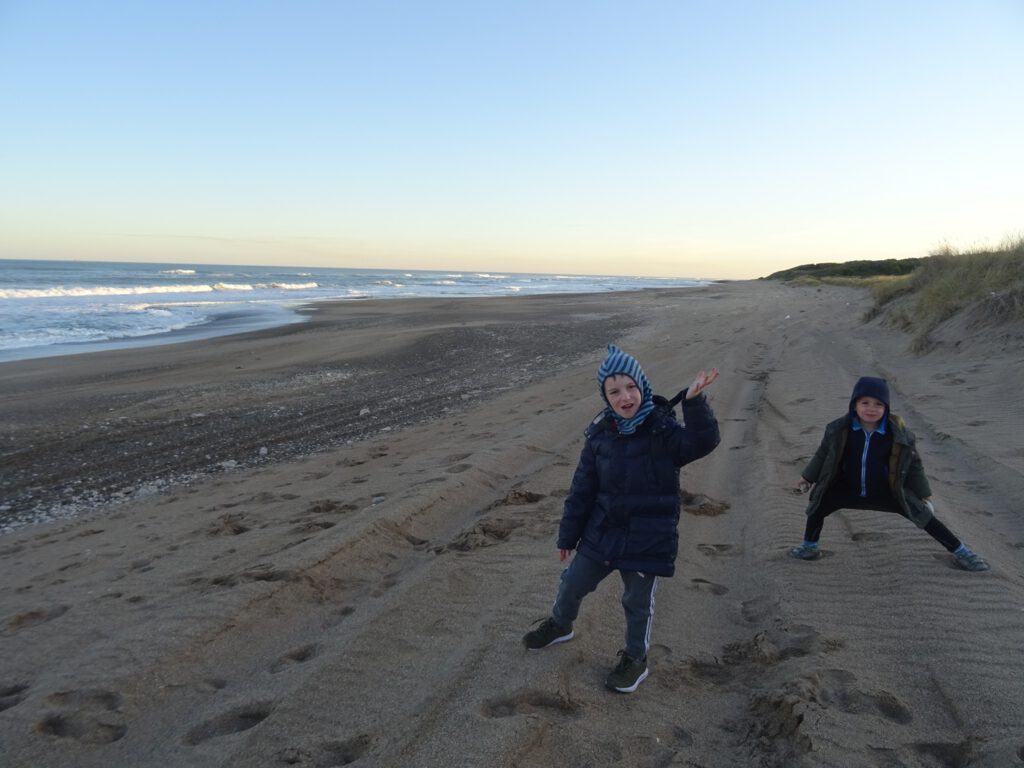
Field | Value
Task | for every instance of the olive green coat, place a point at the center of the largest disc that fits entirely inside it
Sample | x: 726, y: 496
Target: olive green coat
x: 906, y: 472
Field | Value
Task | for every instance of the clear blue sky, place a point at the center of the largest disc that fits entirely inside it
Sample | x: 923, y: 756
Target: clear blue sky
x: 700, y: 139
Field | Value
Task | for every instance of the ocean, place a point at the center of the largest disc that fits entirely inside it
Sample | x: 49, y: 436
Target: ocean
x: 64, y: 307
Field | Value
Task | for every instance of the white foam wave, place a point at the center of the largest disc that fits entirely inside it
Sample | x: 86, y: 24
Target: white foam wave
x: 128, y: 290
x: 140, y: 290
x: 177, y: 271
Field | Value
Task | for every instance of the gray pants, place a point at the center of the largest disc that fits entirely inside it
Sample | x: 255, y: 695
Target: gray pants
x: 582, y: 577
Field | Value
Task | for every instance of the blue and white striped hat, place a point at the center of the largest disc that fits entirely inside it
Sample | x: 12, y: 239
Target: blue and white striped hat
x: 620, y: 363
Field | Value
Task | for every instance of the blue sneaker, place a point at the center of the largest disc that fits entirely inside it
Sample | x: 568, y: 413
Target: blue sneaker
x: 805, y: 552
x: 970, y: 562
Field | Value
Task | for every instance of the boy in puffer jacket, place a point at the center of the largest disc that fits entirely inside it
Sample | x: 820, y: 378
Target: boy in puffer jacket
x: 867, y: 460
x: 622, y: 510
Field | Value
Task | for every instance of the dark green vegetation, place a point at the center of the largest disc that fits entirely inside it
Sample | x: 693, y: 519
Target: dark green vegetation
x: 985, y: 287
x: 861, y: 269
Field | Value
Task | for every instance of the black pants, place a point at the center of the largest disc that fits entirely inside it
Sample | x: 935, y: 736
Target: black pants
x: 835, y: 499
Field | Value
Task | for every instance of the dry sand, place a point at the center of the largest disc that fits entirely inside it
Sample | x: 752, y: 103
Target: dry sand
x: 356, y: 593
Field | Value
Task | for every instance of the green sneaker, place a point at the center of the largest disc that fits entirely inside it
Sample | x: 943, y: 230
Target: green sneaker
x: 804, y: 552
x: 970, y: 562
x: 628, y: 674
x: 548, y: 633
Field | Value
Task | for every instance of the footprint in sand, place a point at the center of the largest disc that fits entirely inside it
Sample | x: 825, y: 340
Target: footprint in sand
x: 307, y: 526
x: 326, y: 506
x: 211, y: 685
x: 34, y: 618
x: 705, y: 669
x: 772, y: 646
x: 331, y: 753
x: 714, y: 550
x: 758, y: 609
x: 233, y: 721
x: 88, y: 716
x: 699, y: 504
x: 945, y: 753
x: 709, y: 586
x: 517, y: 497
x: 243, y: 577
x: 530, y: 702
x: 777, y: 716
x: 12, y: 695
x: 486, y: 533
x: 296, y: 656
x: 837, y: 688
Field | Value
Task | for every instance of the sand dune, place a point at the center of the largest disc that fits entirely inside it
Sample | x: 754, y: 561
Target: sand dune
x: 356, y: 596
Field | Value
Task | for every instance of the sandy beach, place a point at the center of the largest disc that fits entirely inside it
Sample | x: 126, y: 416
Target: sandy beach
x: 319, y: 545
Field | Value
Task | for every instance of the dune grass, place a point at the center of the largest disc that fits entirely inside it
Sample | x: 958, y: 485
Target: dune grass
x: 950, y: 281
x: 990, y: 282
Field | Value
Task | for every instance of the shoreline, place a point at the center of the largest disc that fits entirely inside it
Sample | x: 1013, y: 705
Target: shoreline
x: 236, y: 320
x: 74, y: 461
x: 246, y: 319
x: 265, y: 308
x: 358, y: 594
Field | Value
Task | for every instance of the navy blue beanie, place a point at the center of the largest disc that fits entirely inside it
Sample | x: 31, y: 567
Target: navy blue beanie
x: 870, y: 386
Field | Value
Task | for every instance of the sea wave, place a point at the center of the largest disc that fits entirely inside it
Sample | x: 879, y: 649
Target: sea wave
x: 139, y: 290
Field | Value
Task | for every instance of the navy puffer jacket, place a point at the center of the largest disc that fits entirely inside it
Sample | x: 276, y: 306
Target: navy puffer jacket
x: 623, y: 506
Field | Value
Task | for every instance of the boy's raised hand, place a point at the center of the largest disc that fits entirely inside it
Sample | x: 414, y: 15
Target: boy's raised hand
x: 703, y: 380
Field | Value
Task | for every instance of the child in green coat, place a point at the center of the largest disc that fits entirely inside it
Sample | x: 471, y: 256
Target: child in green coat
x: 867, y: 460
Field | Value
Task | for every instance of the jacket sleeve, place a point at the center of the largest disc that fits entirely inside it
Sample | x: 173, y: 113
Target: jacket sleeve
x: 698, y: 436
x: 580, y: 501
x: 813, y: 469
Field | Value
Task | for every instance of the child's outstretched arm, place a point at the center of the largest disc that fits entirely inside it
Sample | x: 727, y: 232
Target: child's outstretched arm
x: 702, y: 381
x: 700, y: 434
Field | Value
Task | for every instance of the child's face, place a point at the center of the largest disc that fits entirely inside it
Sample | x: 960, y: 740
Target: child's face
x: 870, y: 411
x: 623, y: 394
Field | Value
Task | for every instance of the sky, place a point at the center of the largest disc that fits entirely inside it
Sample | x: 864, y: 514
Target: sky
x: 714, y: 139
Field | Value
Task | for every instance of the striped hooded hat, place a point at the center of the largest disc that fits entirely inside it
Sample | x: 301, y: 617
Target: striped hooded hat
x: 619, y: 363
